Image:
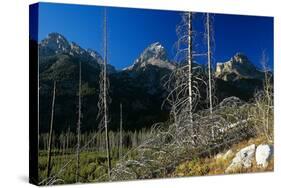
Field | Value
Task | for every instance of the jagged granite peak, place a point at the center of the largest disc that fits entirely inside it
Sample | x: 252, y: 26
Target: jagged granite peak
x: 155, y: 50
x: 239, y: 66
x: 54, y: 43
x: 156, y: 55
x: 95, y: 55
x: 76, y: 50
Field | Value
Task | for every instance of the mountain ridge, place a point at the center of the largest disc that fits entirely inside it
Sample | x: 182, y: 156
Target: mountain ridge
x: 238, y: 67
x: 140, y: 89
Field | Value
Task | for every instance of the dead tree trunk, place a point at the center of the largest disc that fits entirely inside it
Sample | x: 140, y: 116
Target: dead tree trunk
x: 268, y: 91
x: 209, y: 63
x: 189, y: 60
x: 51, y: 132
x: 121, y: 127
x: 182, y: 83
x: 78, y: 128
x: 67, y: 139
x: 105, y: 97
x: 208, y: 26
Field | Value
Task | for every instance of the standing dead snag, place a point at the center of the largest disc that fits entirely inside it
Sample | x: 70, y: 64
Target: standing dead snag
x: 67, y: 139
x: 103, y: 96
x: 51, y: 132
x: 184, y: 82
x: 209, y: 63
x: 263, y: 113
x: 210, y: 78
x: 268, y: 90
x: 78, y: 128
x: 190, y: 59
x: 121, y: 127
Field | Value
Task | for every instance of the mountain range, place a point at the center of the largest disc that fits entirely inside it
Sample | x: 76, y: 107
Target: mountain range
x: 138, y: 87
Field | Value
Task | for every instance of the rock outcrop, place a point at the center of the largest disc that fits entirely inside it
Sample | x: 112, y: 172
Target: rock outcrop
x: 263, y: 154
x: 242, y: 159
x: 249, y: 156
x: 154, y: 55
x: 238, y: 67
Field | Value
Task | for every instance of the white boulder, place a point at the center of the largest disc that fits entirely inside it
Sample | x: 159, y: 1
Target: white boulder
x: 263, y: 154
x: 242, y: 159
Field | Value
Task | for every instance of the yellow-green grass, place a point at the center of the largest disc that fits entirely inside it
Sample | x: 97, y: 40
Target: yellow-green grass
x: 214, y: 166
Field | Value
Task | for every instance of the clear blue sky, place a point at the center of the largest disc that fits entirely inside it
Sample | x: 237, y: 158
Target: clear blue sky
x: 132, y: 30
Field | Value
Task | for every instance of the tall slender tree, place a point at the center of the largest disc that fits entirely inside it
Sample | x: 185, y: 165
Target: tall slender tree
x: 211, y: 83
x: 51, y: 132
x: 103, y: 96
x: 67, y: 138
x: 121, y: 129
x: 189, y: 60
x: 78, y: 128
x: 183, y: 82
x: 209, y: 63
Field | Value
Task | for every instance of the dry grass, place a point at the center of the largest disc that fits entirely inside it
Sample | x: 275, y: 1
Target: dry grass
x: 216, y: 166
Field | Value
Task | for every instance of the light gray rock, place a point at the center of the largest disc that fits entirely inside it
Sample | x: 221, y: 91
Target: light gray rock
x: 224, y: 156
x: 237, y: 67
x: 263, y: 154
x: 242, y: 159
x: 228, y: 154
x: 219, y: 156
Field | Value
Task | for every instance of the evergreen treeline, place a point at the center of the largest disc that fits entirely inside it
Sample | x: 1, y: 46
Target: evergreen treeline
x: 66, y: 141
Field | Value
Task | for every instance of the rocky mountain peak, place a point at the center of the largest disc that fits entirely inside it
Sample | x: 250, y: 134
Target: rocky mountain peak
x: 240, y: 59
x: 155, y: 54
x: 156, y: 51
x: 56, y: 43
x: 239, y: 66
